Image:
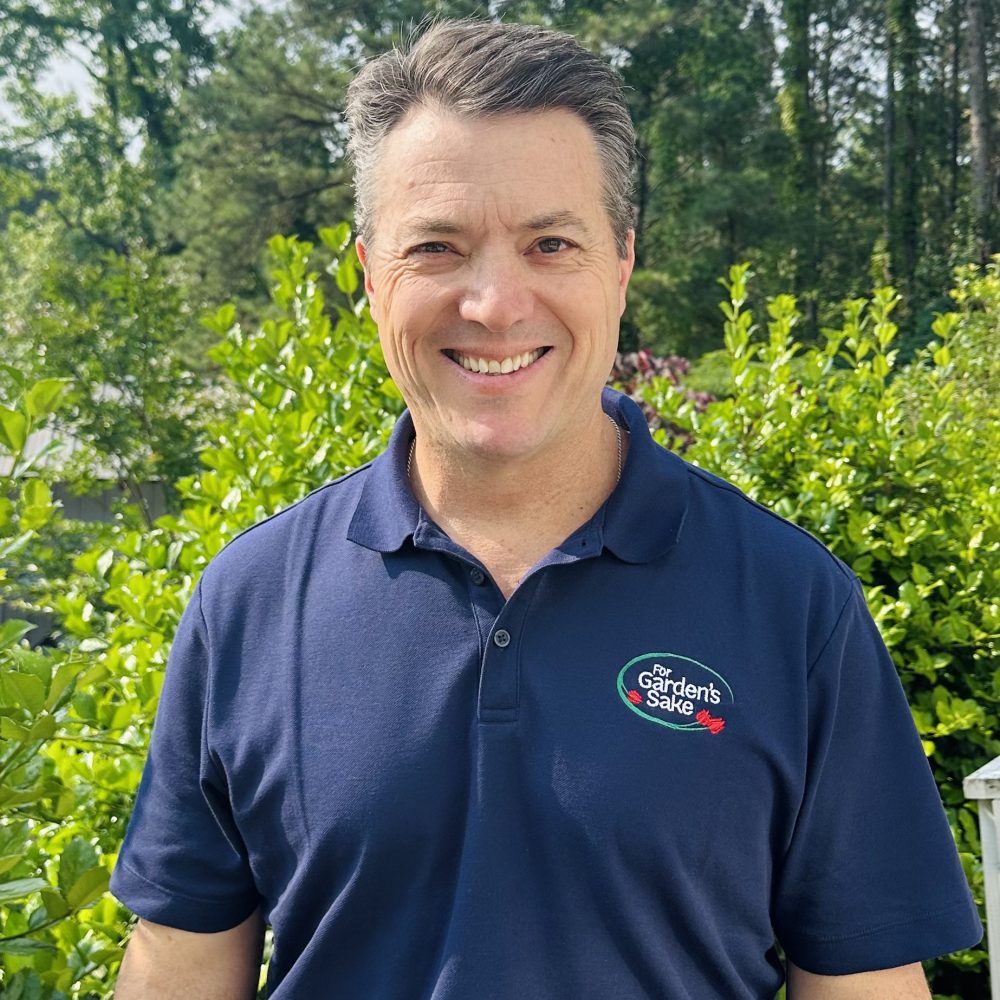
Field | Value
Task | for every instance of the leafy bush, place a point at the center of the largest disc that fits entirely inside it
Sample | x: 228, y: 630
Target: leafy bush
x: 52, y: 937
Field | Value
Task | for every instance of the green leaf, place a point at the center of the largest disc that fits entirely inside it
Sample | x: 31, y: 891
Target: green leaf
x: 21, y: 691
x: 88, y: 888
x: 37, y: 508
x: 8, y: 861
x: 86, y: 706
x: 347, y: 276
x: 36, y: 494
x: 78, y: 858
x: 43, y: 729
x: 10, y: 730
x: 25, y: 946
x: 55, y: 904
x: 942, y: 356
x: 44, y: 396
x: 13, y: 630
x: 336, y: 237
x: 24, y: 985
x: 104, y: 561
x: 21, y: 888
x: 63, y: 683
x: 93, y: 645
x: 13, y: 429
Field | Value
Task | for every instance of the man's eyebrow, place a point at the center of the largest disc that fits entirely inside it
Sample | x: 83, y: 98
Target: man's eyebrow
x: 557, y: 220
x: 424, y: 225
x: 428, y: 225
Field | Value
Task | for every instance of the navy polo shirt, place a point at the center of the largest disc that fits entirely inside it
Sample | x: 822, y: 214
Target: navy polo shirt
x: 680, y: 740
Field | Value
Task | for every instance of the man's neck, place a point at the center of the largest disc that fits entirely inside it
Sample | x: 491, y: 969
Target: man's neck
x: 511, y: 513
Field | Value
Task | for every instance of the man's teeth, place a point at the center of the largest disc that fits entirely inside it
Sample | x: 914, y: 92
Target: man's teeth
x: 493, y: 367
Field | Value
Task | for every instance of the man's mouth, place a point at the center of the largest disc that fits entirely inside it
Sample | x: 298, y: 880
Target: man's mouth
x: 496, y: 366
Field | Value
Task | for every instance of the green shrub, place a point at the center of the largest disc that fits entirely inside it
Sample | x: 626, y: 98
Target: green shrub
x: 52, y: 938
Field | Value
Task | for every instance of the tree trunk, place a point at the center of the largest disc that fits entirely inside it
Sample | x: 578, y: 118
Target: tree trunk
x: 979, y: 120
x: 641, y: 200
x: 802, y: 128
x: 889, y: 180
x: 906, y: 215
x: 954, y: 108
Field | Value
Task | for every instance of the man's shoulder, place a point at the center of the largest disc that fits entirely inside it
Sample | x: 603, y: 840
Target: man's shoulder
x: 729, y: 525
x: 290, y: 533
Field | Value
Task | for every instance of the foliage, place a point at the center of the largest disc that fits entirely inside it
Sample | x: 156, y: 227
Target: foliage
x: 895, y: 470
x: 635, y: 371
x: 709, y: 143
x: 52, y: 936
x: 110, y: 324
x: 262, y: 153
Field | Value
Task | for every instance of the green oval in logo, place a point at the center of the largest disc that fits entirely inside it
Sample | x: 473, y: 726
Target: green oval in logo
x: 676, y: 691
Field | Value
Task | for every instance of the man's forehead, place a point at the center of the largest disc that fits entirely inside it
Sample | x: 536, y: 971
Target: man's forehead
x: 442, y: 174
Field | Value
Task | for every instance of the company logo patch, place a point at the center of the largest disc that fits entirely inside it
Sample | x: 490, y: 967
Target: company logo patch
x: 676, y: 691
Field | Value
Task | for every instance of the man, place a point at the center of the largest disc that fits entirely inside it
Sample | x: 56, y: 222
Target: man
x: 526, y: 708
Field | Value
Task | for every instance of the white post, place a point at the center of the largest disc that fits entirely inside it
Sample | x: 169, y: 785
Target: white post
x: 984, y: 785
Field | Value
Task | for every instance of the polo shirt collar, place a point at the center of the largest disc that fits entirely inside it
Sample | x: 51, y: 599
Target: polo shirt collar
x: 641, y: 520
x: 643, y: 517
x: 387, y: 513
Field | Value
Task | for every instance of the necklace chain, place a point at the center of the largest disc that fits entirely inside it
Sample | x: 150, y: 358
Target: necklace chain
x: 618, y: 437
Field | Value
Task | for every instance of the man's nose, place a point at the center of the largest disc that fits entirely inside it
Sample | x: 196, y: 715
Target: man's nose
x: 498, y: 295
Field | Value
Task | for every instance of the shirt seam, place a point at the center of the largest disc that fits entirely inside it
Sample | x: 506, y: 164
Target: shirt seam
x: 833, y: 631
x: 319, y: 489
x: 710, y: 480
x: 209, y: 676
x: 891, y: 925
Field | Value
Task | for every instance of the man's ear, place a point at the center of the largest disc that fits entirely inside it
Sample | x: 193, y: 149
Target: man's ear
x: 625, y: 266
x: 369, y: 288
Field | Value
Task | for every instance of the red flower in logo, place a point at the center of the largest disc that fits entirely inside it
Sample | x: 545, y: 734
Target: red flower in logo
x: 635, y: 697
x: 710, y: 722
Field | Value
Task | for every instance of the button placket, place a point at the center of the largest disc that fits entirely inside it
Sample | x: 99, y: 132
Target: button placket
x: 499, y: 682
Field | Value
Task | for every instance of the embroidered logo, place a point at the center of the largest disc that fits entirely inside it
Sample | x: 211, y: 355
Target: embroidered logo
x: 676, y: 691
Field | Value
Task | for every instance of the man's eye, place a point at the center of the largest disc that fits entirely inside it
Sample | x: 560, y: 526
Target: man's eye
x: 430, y: 248
x: 552, y: 244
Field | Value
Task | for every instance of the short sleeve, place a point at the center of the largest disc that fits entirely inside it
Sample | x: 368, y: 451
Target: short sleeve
x: 872, y: 878
x: 183, y: 862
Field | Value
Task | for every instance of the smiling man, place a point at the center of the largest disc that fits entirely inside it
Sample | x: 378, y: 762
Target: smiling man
x: 528, y: 708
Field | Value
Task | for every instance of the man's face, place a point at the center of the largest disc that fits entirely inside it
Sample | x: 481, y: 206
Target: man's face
x: 492, y: 249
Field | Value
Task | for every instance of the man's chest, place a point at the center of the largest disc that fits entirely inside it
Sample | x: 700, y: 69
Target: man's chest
x: 402, y: 740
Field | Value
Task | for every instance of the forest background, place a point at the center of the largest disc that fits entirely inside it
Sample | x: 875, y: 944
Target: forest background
x: 147, y: 316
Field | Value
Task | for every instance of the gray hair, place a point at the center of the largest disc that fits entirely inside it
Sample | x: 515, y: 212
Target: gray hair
x: 481, y: 68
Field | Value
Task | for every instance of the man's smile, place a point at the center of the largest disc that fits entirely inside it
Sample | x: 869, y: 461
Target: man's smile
x: 496, y: 366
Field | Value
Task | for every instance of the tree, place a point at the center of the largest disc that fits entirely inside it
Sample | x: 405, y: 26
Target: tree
x: 905, y: 153
x: 262, y: 153
x: 698, y: 82
x: 139, y: 55
x: 983, y: 177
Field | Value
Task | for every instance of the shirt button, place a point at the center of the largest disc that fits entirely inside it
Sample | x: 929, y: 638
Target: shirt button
x: 501, y: 638
x: 477, y: 576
